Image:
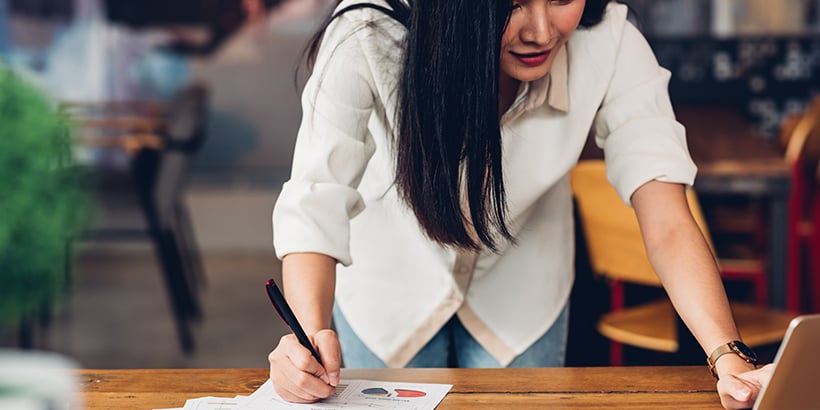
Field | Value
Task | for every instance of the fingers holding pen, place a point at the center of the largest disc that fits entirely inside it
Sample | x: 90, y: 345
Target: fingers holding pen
x: 296, y: 374
x: 327, y: 344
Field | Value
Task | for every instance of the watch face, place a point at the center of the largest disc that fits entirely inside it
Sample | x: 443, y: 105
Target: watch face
x: 744, y: 350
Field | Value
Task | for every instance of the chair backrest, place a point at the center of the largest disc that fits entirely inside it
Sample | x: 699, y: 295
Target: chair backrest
x: 800, y: 134
x: 613, y: 236
x: 800, y: 138
x: 187, y: 115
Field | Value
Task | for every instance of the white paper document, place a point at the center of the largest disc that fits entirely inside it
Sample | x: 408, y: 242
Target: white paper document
x: 350, y: 394
x: 357, y: 394
x: 211, y: 403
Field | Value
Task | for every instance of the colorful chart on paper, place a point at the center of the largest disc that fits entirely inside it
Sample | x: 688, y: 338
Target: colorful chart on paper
x: 382, y: 392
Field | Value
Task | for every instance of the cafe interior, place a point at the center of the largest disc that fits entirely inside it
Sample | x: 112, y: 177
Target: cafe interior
x: 180, y: 119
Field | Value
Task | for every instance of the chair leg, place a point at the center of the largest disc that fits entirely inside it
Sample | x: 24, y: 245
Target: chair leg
x: 616, y: 349
x: 180, y: 257
x: 192, y: 284
x: 191, y: 294
x: 814, y: 257
x: 183, y: 303
x: 616, y: 354
x: 761, y: 291
x: 191, y: 249
x: 793, y: 244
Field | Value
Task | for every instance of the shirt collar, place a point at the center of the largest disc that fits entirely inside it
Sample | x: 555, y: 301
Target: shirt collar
x: 552, y: 89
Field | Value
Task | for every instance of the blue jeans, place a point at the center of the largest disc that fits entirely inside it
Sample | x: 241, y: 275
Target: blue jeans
x: 453, y: 346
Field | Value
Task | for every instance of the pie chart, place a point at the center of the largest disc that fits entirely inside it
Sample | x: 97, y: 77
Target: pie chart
x: 410, y: 393
x: 382, y: 392
x: 376, y: 391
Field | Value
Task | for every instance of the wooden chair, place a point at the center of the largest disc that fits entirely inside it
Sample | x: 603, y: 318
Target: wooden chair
x: 156, y: 181
x: 616, y: 252
x: 800, y: 138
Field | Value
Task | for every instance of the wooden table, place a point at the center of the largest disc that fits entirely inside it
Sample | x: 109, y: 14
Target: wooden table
x: 734, y: 159
x: 688, y: 387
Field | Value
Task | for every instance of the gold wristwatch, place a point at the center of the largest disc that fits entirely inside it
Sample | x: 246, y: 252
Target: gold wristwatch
x: 735, y: 346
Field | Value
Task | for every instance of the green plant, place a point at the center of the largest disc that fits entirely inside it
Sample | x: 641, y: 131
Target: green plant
x: 41, y: 201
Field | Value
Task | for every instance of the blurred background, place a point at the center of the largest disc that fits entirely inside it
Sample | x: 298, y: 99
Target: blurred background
x: 132, y: 75
x: 182, y: 117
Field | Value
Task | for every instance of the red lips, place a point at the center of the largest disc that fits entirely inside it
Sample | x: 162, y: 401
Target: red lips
x: 532, y: 59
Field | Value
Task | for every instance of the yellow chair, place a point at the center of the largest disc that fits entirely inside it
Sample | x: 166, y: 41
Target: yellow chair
x: 617, y: 253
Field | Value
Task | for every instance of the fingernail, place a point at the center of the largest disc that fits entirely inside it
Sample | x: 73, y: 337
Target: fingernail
x: 325, y: 379
x: 334, y: 378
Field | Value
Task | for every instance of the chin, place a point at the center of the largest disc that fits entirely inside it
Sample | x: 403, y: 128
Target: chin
x: 531, y: 75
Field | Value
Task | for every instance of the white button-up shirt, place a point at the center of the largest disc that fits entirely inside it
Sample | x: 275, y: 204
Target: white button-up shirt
x: 395, y: 287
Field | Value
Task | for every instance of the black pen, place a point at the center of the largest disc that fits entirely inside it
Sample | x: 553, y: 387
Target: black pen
x: 284, y: 311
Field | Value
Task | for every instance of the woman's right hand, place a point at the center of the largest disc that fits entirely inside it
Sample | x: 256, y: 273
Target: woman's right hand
x: 295, y: 373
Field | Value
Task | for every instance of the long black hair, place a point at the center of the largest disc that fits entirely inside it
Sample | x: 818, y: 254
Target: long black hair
x: 448, y: 135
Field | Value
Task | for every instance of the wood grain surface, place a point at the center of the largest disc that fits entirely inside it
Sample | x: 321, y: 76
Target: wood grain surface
x: 559, y: 388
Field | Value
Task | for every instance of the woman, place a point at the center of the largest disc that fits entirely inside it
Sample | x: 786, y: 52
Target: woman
x: 431, y: 166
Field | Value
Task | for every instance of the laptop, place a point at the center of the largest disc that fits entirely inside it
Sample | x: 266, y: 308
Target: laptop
x: 795, y: 382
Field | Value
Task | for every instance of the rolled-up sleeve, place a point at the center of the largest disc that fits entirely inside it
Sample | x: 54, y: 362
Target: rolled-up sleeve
x: 636, y: 125
x: 333, y: 147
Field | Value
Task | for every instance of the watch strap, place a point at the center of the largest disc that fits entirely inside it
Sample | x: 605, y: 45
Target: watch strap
x: 737, y: 347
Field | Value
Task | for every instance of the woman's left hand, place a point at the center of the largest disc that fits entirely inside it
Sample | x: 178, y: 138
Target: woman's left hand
x: 739, y: 391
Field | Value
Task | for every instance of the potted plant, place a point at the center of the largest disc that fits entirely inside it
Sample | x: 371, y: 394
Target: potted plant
x: 41, y: 201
